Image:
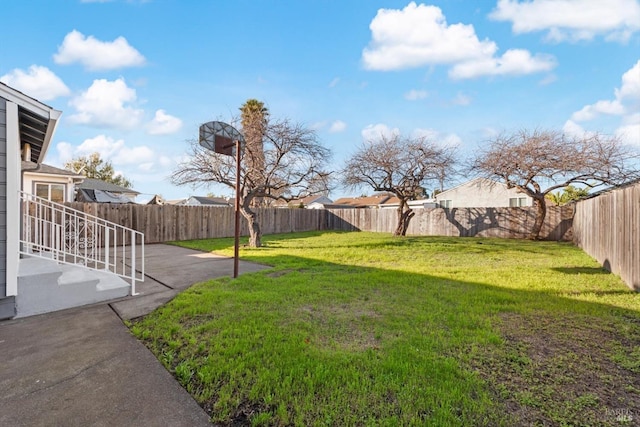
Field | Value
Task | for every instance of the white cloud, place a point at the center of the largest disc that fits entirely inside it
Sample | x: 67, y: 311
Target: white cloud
x: 65, y: 152
x: 146, y: 167
x: 629, y: 134
x: 380, y: 130
x: 104, y: 145
x: 630, y: 83
x: 106, y: 104
x: 449, y: 140
x: 572, y: 128
x: 97, y: 55
x: 334, y: 82
x: 113, y: 150
x: 513, y: 62
x: 317, y: 126
x: 414, y: 95
x: 337, y: 126
x: 461, y: 99
x: 419, y: 35
x: 548, y: 80
x: 626, y: 104
x: 571, y: 19
x: 133, y: 155
x: 38, y: 82
x: 590, y: 112
x: 377, y: 131
x: 163, y: 124
x: 627, y: 94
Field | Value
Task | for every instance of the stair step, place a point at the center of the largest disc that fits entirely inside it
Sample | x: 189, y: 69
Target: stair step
x: 46, y: 286
x: 72, y: 275
x: 33, y: 266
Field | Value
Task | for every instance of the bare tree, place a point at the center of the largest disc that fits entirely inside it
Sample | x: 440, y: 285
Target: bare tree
x: 294, y: 167
x: 401, y: 166
x: 541, y: 161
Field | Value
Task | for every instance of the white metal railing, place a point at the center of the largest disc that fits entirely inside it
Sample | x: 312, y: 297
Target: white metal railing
x: 54, y: 231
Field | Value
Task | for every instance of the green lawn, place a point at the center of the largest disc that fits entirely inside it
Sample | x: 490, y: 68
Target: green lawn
x: 367, y: 329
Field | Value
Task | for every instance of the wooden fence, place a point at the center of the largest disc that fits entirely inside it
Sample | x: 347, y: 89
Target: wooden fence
x: 464, y: 222
x: 607, y: 227
x: 168, y: 222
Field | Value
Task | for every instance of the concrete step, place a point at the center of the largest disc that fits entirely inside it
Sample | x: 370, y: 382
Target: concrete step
x: 45, y: 286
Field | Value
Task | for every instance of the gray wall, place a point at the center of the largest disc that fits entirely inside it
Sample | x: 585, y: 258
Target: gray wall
x: 3, y: 197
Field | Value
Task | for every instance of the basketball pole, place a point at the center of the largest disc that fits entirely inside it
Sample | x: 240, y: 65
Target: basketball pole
x: 236, y: 247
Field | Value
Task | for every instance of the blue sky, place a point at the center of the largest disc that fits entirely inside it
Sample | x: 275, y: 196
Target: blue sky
x: 135, y: 79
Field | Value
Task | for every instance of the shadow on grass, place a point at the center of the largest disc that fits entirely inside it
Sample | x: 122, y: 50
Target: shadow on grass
x: 581, y: 270
x: 313, y: 341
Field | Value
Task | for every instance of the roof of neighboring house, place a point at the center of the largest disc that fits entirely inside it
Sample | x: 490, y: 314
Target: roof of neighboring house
x: 96, y: 184
x: 157, y: 200
x: 100, y: 196
x: 480, y: 181
x: 362, y: 202
x: 210, y: 201
x: 394, y: 201
x: 305, y: 201
x: 336, y: 206
x: 48, y: 170
x: 175, y: 201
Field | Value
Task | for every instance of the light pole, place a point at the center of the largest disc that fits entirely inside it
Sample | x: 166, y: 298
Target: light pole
x: 223, y: 138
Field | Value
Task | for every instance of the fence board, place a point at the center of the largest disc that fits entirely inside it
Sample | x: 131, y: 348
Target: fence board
x: 607, y: 227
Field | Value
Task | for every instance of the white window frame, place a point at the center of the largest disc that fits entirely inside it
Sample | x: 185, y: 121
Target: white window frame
x: 49, y: 184
x: 446, y: 203
x: 517, y: 202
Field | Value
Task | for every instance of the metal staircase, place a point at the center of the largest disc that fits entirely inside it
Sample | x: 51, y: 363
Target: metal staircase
x: 80, y: 253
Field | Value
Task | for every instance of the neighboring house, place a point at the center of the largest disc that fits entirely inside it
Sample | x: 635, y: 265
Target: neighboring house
x: 157, y: 200
x: 394, y: 203
x: 309, y: 202
x: 175, y: 202
x: 321, y: 205
x: 365, y: 202
x: 217, y: 202
x: 26, y: 125
x: 96, y: 191
x: 51, y: 183
x: 482, y: 193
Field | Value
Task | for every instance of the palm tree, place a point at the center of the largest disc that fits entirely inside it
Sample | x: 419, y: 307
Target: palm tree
x: 254, y: 119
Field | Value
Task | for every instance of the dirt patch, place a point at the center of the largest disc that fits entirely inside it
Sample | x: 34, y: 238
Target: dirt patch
x: 345, y: 326
x: 564, y: 370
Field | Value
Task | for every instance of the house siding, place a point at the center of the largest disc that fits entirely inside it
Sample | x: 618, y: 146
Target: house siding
x: 481, y: 193
x: 3, y: 197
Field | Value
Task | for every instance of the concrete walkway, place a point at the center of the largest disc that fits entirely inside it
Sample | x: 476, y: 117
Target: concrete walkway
x: 82, y: 367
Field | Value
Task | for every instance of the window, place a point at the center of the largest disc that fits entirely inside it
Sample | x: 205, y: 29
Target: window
x: 53, y: 192
x: 445, y: 204
x: 517, y: 202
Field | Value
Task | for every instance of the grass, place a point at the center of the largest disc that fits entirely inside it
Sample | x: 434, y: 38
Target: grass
x: 366, y: 329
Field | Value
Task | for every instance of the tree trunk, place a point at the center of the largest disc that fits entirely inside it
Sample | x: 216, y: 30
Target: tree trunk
x: 404, y: 216
x: 541, y: 213
x: 255, y: 235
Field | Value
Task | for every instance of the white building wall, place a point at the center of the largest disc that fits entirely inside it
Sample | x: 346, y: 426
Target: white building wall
x: 481, y: 193
x: 29, y: 180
